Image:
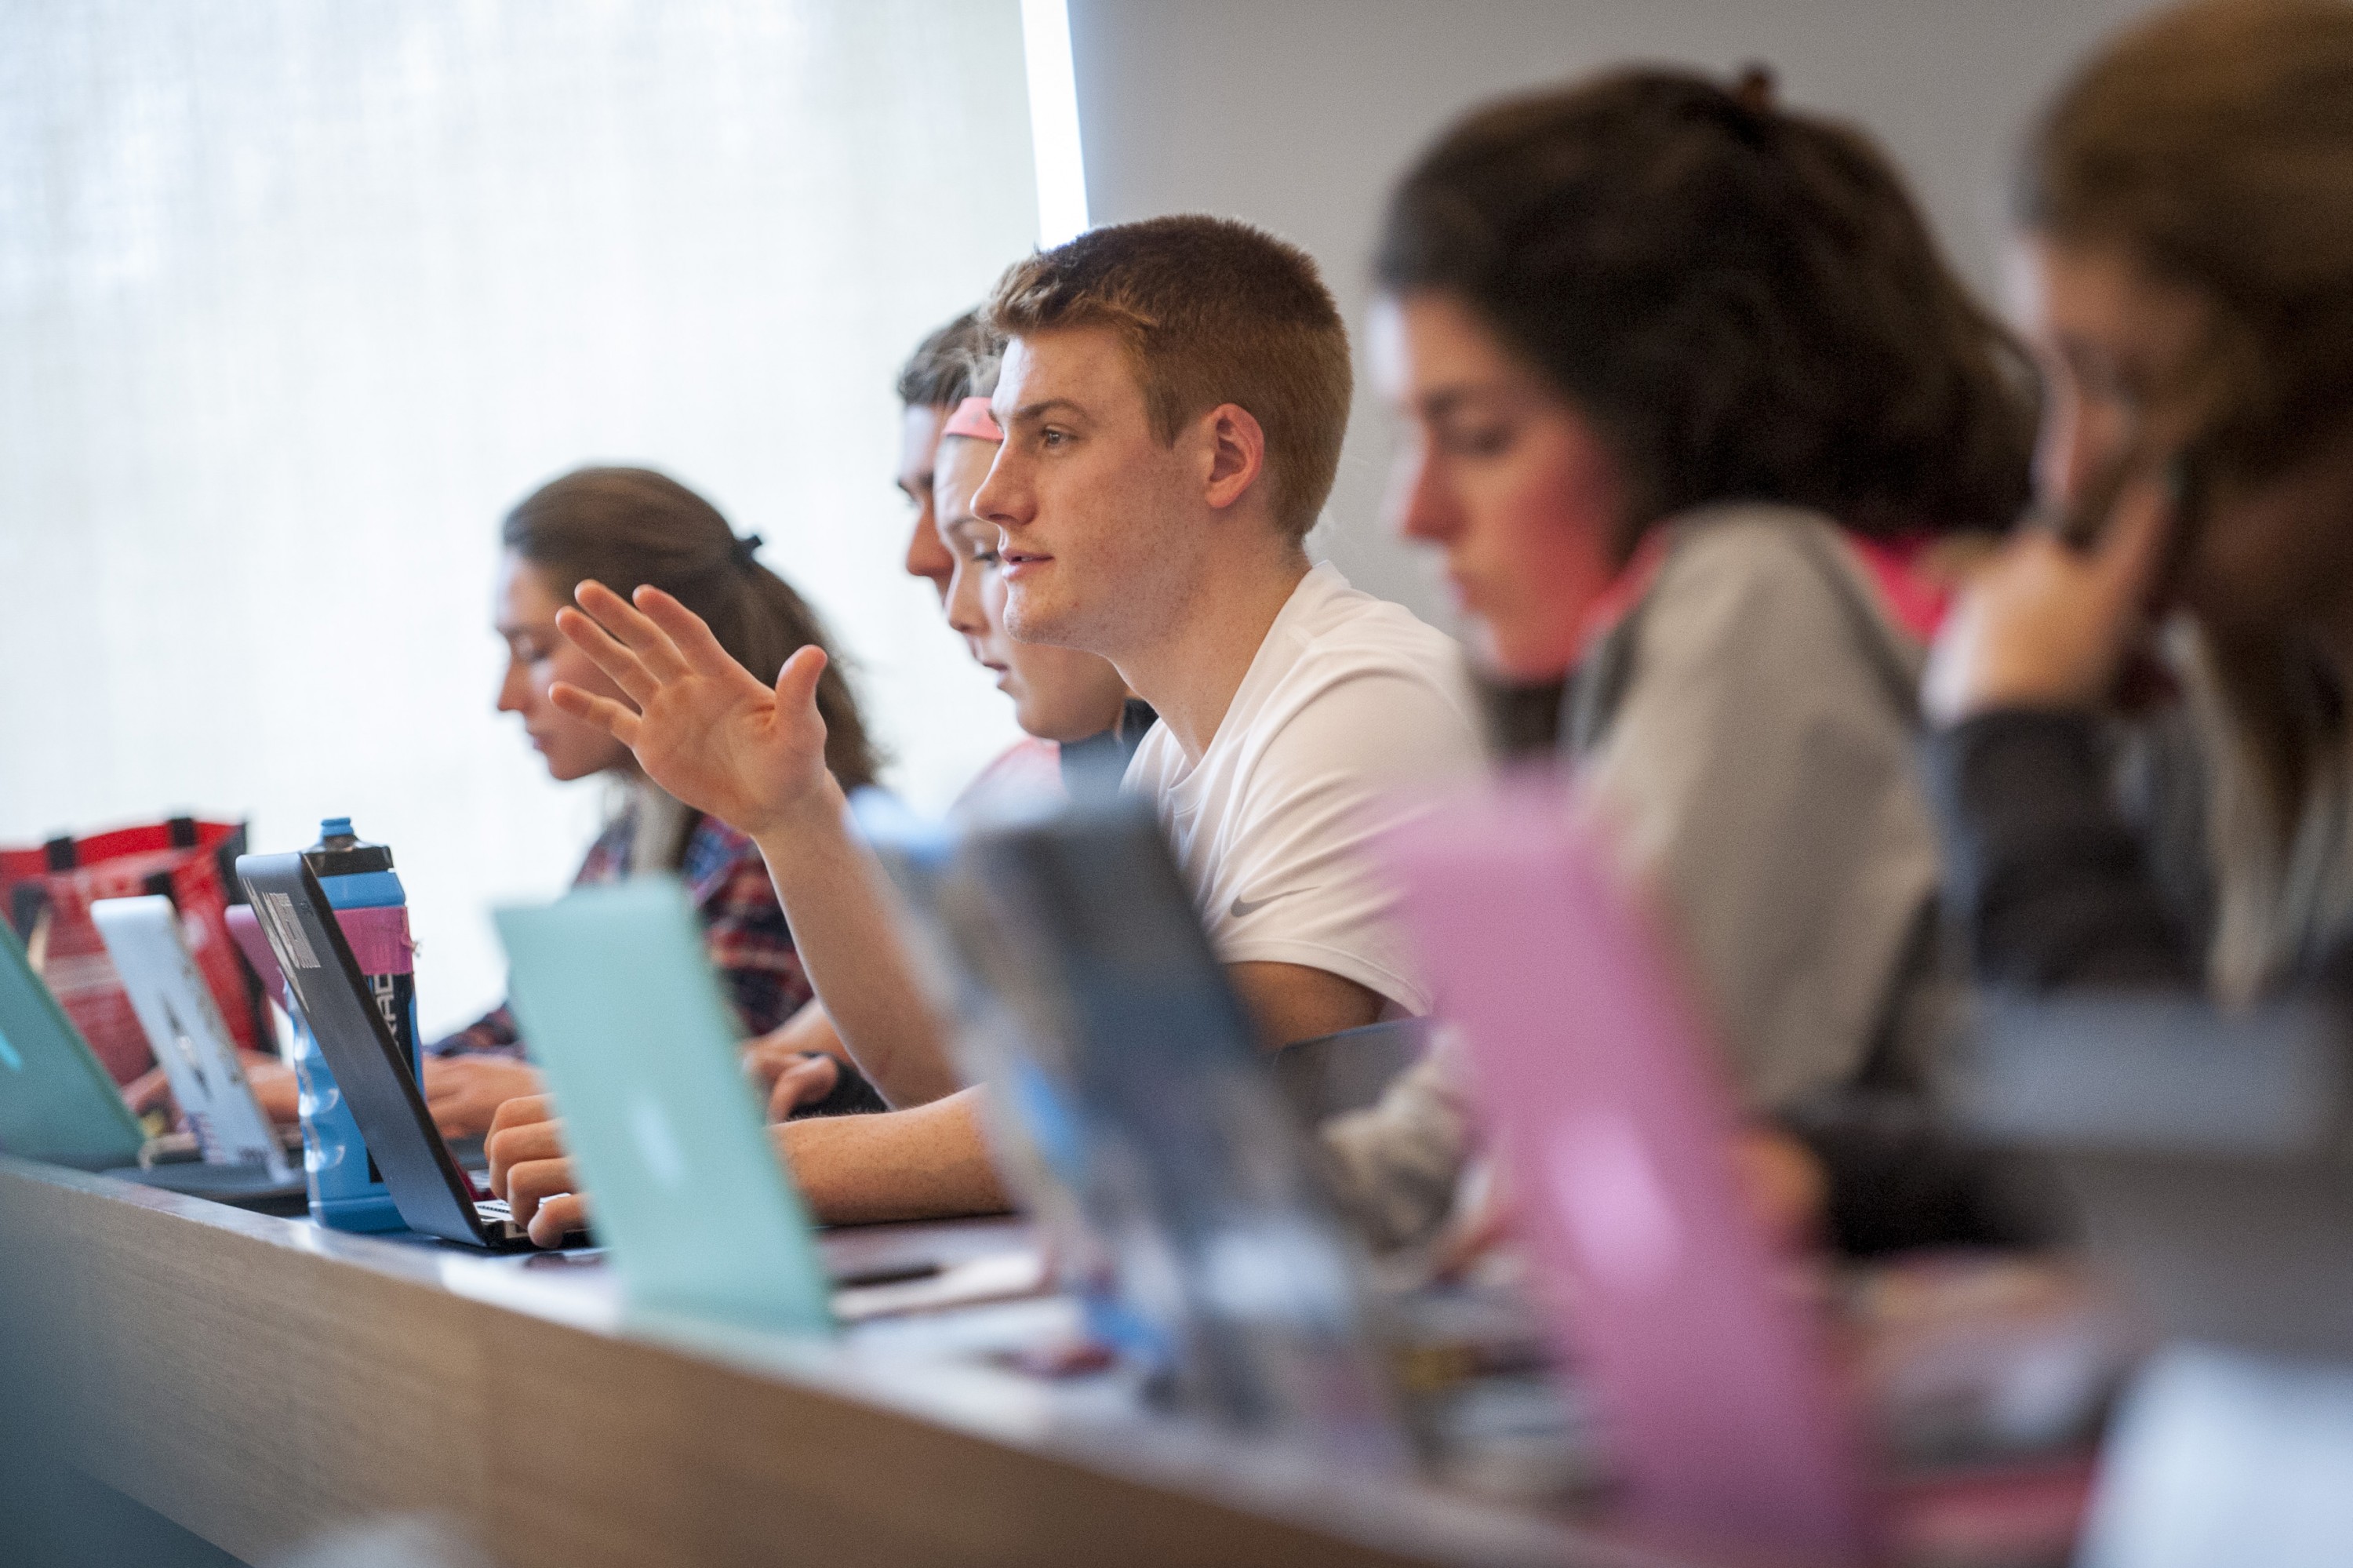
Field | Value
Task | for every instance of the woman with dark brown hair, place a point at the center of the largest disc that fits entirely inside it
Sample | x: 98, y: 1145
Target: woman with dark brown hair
x: 631, y: 525
x: 2186, y: 217
x: 1689, y: 399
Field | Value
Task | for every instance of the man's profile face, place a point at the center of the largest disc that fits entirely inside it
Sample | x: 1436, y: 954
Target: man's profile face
x: 1098, y: 539
x: 919, y: 445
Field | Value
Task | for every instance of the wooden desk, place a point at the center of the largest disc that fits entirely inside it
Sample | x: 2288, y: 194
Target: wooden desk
x: 261, y: 1381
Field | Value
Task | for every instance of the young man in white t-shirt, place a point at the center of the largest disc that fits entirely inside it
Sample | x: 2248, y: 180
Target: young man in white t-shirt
x: 1062, y: 699
x: 1173, y: 399
x: 1348, y: 696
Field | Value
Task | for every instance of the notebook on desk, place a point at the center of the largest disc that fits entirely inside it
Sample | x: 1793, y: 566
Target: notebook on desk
x: 2205, y: 1150
x: 615, y: 992
x: 1031, y: 1114
x: 1598, y: 1078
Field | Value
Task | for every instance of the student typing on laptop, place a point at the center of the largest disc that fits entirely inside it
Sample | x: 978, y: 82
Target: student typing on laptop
x: 1079, y: 725
x: 1174, y: 397
x: 644, y: 526
x: 635, y: 524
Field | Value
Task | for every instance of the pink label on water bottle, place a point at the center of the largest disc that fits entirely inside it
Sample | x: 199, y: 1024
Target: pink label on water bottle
x: 379, y: 939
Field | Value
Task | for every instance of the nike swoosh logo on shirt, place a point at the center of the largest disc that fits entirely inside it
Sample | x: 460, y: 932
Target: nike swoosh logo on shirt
x: 1243, y: 908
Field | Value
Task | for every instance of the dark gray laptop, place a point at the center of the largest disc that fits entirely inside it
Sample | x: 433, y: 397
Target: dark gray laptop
x: 432, y: 1194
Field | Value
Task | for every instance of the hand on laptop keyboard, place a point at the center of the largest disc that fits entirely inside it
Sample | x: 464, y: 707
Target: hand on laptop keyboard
x: 530, y: 1170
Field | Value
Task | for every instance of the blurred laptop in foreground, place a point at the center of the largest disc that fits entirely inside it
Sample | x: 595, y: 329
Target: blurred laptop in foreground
x: 2208, y: 1155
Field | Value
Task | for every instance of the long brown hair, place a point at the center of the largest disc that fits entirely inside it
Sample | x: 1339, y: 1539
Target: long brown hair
x: 1744, y: 300
x: 628, y: 526
x: 2212, y: 145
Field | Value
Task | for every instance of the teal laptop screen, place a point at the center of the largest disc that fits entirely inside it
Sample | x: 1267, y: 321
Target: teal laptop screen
x: 621, y: 1010
x: 57, y: 1102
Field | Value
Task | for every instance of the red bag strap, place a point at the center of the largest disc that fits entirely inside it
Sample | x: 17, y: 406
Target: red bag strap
x: 65, y: 853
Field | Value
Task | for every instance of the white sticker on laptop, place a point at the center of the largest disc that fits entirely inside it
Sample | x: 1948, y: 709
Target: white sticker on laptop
x: 290, y: 930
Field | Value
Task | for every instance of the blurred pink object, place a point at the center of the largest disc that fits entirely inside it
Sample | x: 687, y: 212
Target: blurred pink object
x: 1595, y: 1073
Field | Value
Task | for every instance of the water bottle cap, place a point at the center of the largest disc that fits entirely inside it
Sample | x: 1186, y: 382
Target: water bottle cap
x: 341, y: 853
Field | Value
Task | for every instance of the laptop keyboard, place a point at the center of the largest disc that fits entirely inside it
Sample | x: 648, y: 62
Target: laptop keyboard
x: 499, y: 1220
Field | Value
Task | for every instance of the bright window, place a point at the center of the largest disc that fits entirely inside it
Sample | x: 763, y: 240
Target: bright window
x: 298, y: 296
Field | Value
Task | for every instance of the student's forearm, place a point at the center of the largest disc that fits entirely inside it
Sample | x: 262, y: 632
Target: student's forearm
x: 927, y: 1163
x: 847, y: 943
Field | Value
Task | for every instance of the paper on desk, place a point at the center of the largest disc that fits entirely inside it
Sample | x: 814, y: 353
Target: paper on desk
x: 997, y: 1276
x: 577, y: 1288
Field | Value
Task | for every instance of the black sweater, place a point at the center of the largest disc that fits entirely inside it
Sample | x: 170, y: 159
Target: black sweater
x: 2049, y: 883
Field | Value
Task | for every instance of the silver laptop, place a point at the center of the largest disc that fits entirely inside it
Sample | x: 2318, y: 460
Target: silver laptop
x: 57, y: 1103
x: 184, y: 1028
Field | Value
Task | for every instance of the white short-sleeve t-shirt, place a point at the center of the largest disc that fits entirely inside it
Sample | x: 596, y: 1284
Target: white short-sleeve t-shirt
x: 1349, y: 703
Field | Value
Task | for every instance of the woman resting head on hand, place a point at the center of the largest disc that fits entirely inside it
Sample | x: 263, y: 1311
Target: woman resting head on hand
x: 2185, y: 262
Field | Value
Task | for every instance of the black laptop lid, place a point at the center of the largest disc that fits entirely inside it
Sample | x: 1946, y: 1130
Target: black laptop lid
x: 431, y: 1193
x: 1082, y: 923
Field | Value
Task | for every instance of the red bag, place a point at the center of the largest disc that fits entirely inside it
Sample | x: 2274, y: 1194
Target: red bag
x: 192, y: 864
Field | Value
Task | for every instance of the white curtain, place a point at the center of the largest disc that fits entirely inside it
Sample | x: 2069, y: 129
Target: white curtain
x: 298, y: 296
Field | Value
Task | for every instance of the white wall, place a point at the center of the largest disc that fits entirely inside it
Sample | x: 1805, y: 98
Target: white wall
x: 1298, y: 114
x: 296, y: 297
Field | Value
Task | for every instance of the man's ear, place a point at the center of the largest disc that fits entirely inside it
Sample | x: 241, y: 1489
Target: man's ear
x: 1237, y: 453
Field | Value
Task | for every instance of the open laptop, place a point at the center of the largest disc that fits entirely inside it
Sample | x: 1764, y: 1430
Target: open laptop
x: 2207, y: 1155
x: 1599, y: 1080
x: 433, y: 1194
x: 615, y: 992
x: 1033, y: 1120
x: 243, y: 1153
x: 57, y: 1103
x: 1165, y: 1114
x: 2206, y: 1151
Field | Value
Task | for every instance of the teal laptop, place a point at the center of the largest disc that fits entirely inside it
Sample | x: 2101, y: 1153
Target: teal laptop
x: 624, y: 1016
x: 57, y: 1103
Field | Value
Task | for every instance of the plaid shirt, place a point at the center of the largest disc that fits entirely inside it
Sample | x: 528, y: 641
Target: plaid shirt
x: 744, y: 930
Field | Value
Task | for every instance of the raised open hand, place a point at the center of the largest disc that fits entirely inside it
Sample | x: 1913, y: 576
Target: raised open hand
x: 702, y: 727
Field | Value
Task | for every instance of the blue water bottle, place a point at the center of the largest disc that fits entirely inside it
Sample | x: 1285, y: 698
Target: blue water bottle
x: 347, y: 1191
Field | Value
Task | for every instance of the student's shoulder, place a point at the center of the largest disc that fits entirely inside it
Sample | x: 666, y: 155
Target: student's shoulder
x: 715, y: 840
x: 1753, y: 575
x: 1027, y: 768
x: 1755, y: 604
x: 1349, y: 632
x: 1754, y: 545
x: 1373, y: 688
